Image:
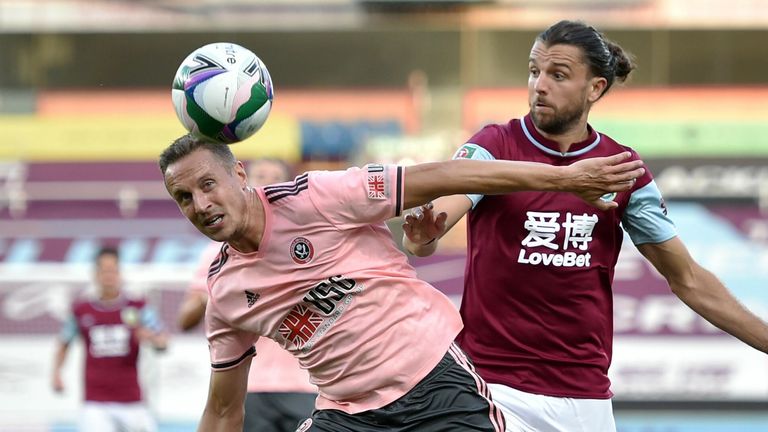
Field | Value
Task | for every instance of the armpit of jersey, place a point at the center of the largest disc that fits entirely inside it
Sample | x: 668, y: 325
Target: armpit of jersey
x: 475, y: 152
x: 645, y: 218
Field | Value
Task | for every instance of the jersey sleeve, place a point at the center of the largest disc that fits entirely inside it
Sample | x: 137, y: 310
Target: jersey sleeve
x: 358, y: 196
x: 200, y: 279
x: 645, y: 218
x: 228, y: 346
x: 151, y: 319
x: 474, y: 151
x: 68, y: 330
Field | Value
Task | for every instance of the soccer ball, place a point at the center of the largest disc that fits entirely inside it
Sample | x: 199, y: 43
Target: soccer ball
x: 222, y: 91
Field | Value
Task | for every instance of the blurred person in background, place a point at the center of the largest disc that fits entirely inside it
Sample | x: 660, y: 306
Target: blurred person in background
x: 537, y: 303
x: 311, y: 264
x: 279, y: 392
x: 113, y: 327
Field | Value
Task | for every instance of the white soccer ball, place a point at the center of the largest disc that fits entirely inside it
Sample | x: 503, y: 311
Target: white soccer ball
x: 222, y: 91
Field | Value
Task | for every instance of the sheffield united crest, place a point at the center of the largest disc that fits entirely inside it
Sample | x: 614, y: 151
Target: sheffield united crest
x: 302, y: 250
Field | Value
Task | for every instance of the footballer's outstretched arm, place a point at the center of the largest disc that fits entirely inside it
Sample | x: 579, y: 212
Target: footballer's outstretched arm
x: 226, y: 395
x: 587, y: 178
x: 423, y: 227
x: 704, y: 293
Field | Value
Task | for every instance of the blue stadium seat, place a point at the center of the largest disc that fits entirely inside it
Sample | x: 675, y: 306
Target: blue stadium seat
x: 338, y: 140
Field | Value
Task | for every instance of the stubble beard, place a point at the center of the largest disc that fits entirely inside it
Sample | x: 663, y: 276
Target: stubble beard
x: 560, y: 123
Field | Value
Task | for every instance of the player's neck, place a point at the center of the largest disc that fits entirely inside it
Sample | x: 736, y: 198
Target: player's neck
x: 250, y: 239
x: 109, y: 295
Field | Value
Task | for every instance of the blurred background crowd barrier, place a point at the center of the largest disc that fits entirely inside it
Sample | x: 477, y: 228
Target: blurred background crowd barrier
x: 85, y: 109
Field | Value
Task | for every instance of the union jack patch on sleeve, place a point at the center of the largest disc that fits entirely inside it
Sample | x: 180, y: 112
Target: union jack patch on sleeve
x: 376, y: 184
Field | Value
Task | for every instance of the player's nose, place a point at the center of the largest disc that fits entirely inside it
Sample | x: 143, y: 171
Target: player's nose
x: 541, y: 84
x: 201, y: 202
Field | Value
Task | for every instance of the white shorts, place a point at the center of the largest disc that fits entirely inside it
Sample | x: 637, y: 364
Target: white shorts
x: 528, y: 412
x: 116, y: 417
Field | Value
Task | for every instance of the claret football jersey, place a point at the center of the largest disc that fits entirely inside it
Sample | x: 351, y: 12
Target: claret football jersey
x: 537, y: 303
x: 329, y: 285
x: 108, y: 329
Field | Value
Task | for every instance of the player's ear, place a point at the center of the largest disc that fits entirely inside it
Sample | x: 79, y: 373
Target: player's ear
x: 241, y: 175
x: 596, y: 88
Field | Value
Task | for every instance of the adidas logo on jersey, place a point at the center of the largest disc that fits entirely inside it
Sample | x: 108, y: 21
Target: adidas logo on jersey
x: 251, y: 297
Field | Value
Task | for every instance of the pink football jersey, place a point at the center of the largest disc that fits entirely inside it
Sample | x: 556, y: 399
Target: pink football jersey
x: 274, y: 369
x: 329, y: 285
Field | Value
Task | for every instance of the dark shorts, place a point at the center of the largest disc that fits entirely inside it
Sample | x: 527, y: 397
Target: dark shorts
x: 276, y: 412
x: 451, y: 398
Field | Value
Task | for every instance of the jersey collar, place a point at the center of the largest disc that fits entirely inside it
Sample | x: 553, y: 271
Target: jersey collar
x: 551, y: 147
x: 108, y: 305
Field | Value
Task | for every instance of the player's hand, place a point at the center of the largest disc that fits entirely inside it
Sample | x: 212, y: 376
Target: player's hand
x: 159, y: 341
x: 57, y: 384
x: 590, y: 179
x: 143, y: 334
x: 422, y: 226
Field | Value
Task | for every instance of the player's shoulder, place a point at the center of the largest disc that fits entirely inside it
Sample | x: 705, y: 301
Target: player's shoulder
x: 281, y: 193
x: 135, y: 301
x: 221, y: 260
x: 495, y: 136
x: 323, y: 182
x: 500, y: 129
x: 611, y: 146
x: 81, y: 305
